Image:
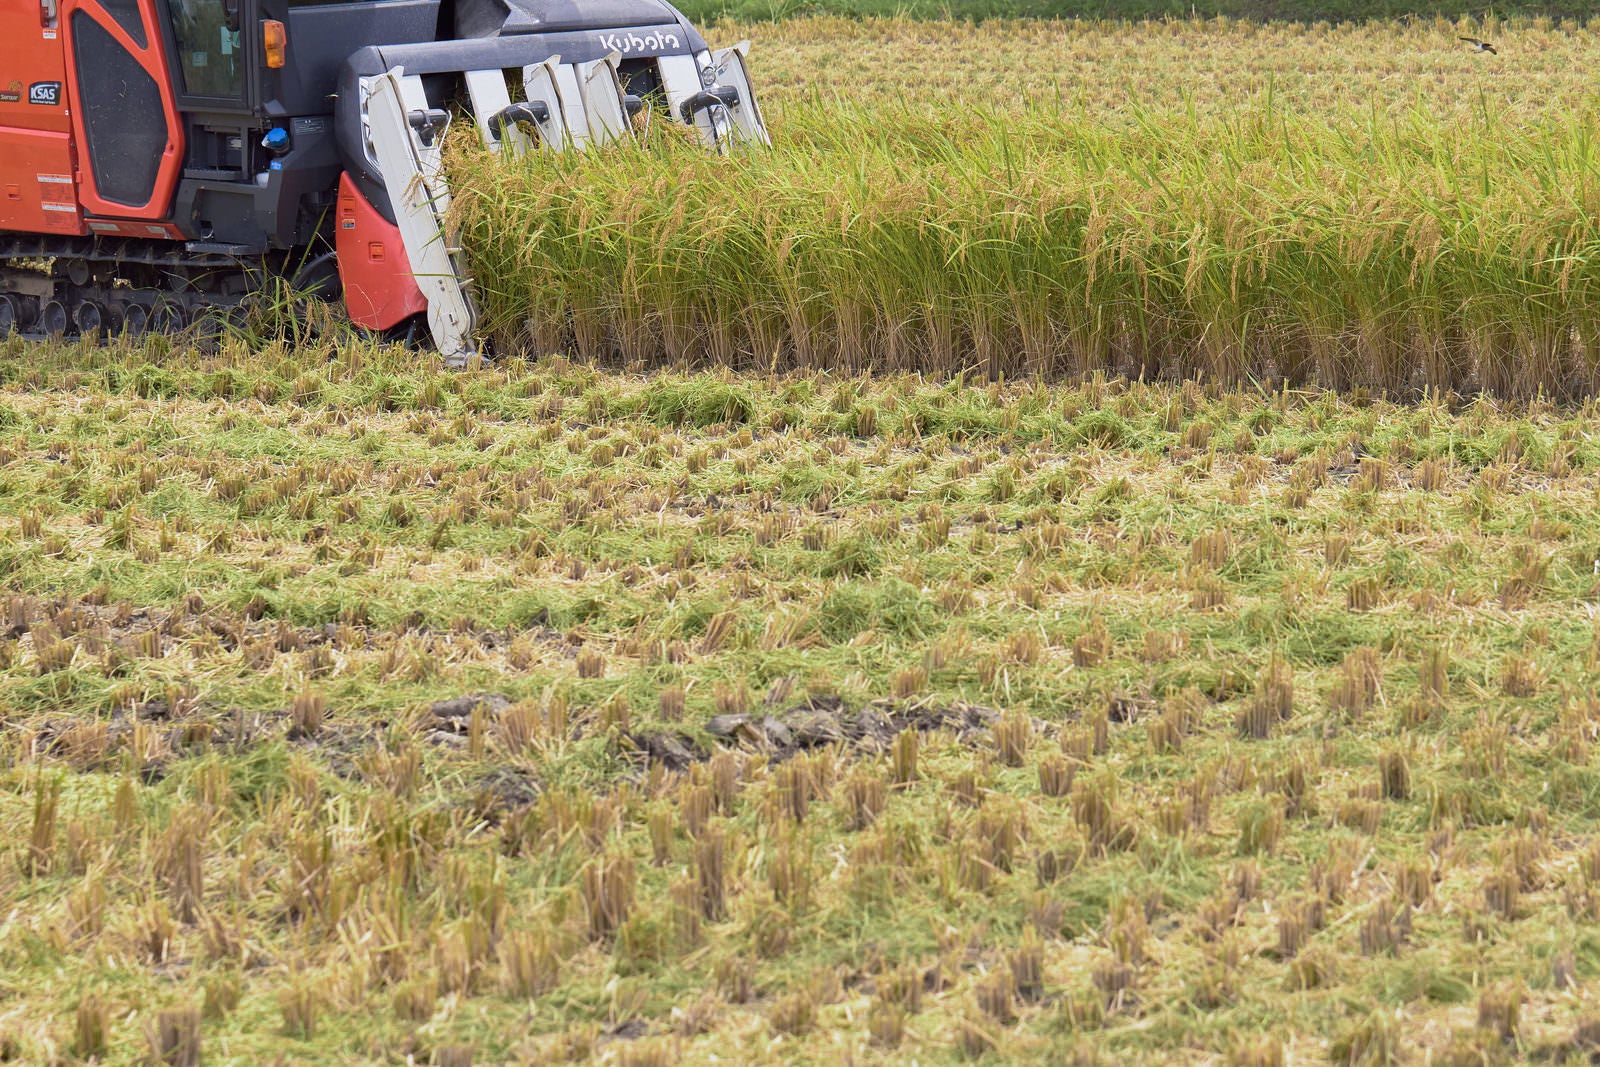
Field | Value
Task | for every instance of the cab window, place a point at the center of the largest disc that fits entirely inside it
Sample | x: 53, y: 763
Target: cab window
x: 209, y: 50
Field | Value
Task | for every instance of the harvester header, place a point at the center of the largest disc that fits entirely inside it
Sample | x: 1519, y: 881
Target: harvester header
x: 162, y: 160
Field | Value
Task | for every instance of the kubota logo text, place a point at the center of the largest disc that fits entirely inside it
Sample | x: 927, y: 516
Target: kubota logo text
x: 628, y: 43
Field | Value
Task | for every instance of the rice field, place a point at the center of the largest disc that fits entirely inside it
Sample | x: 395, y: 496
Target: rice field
x: 909, y: 597
x: 1371, y: 207
x: 360, y: 711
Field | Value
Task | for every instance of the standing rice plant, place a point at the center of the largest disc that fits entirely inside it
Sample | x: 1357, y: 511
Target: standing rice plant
x: 1336, y: 244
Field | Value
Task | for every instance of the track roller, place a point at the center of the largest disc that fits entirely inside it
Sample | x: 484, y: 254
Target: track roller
x: 209, y: 325
x: 167, y: 317
x: 8, y: 316
x: 133, y: 318
x: 53, y: 319
x: 90, y: 318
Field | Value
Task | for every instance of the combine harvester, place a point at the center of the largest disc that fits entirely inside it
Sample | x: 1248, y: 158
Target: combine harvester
x: 163, y: 160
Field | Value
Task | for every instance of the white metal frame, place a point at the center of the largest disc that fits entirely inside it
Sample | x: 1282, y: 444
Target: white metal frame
x: 413, y: 176
x: 584, y: 105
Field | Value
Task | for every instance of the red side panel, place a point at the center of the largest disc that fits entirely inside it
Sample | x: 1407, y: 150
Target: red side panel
x: 32, y: 69
x: 379, y: 288
x: 151, y: 56
x: 36, y: 190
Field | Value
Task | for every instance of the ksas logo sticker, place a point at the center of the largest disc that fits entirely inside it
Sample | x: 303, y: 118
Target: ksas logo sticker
x: 46, y: 93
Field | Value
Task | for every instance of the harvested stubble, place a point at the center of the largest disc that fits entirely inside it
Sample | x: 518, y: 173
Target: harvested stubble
x: 1376, y: 237
x: 943, y: 814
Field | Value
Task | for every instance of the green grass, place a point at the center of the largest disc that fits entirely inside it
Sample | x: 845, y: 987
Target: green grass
x: 236, y: 587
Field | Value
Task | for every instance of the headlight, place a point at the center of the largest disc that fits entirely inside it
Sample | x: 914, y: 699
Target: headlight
x: 708, y: 71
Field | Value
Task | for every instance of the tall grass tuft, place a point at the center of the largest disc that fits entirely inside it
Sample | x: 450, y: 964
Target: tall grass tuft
x: 1335, y: 245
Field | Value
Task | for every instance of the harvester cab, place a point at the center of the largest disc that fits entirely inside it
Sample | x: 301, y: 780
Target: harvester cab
x: 161, y: 159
